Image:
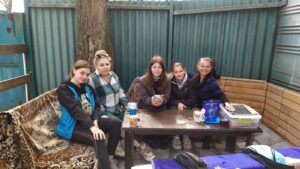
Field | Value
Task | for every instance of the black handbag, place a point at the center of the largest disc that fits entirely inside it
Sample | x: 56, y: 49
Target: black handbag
x: 266, y: 162
x: 190, y: 161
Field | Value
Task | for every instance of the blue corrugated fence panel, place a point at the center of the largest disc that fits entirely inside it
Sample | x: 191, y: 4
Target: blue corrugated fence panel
x: 11, y: 32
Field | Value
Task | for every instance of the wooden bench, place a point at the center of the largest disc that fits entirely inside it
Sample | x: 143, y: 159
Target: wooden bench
x: 247, y: 91
x: 279, y: 106
x: 282, y: 112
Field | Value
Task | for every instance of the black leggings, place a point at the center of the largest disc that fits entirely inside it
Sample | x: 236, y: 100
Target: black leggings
x: 85, y: 136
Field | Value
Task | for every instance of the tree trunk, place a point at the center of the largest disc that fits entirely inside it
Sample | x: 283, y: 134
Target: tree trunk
x: 92, y: 34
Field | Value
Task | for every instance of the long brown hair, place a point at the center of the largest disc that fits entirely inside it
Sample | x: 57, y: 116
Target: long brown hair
x: 78, y: 65
x: 149, y: 79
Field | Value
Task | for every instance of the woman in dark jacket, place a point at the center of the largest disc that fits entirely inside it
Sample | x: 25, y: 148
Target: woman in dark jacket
x: 206, y: 88
x: 182, y: 97
x: 81, y: 119
x: 205, y: 85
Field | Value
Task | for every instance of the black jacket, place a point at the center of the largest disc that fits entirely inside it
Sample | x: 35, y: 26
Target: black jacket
x: 66, y: 98
x: 185, y: 95
x: 207, y: 89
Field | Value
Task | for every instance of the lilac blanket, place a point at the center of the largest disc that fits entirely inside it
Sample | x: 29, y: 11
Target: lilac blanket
x: 229, y: 161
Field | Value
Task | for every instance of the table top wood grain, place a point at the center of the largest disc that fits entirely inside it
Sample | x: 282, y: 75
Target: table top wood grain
x: 169, y: 119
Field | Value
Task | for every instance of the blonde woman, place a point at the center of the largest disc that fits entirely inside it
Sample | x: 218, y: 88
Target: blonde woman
x: 110, y: 93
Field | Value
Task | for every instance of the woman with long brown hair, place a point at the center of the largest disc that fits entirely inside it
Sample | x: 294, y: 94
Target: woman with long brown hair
x: 152, y: 92
x: 154, y: 86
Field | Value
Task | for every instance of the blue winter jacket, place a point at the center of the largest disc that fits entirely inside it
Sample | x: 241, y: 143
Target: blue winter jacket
x: 66, y: 123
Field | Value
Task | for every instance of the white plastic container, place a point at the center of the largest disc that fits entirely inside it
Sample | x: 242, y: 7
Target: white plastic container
x: 240, y: 120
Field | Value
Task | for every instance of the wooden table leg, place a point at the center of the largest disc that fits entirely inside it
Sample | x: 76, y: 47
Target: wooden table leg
x: 230, y: 143
x: 1, y: 164
x: 206, y: 142
x: 128, y: 149
x: 250, y: 138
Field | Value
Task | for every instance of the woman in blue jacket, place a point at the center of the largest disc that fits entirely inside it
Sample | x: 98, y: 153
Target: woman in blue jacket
x: 205, y: 85
x: 206, y: 88
x: 81, y: 119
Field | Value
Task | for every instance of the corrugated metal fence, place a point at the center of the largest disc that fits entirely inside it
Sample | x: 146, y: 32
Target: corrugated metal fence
x: 12, y: 65
x: 286, y: 64
x: 240, y: 41
x: 53, y: 40
x: 238, y: 34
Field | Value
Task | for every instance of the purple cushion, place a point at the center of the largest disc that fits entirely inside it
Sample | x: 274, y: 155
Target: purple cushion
x: 293, y: 152
x: 238, y: 160
x: 165, y: 164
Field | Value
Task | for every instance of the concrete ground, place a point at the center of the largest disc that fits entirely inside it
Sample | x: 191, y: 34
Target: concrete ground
x: 268, y: 137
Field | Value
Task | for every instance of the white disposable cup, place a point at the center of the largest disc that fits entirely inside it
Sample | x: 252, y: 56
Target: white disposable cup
x: 132, y: 105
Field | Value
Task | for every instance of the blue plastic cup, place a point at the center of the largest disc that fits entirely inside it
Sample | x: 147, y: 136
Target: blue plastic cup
x: 132, y: 112
x: 132, y: 108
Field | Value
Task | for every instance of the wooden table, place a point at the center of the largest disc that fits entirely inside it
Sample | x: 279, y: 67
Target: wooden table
x: 174, y: 122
